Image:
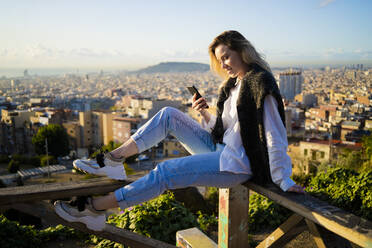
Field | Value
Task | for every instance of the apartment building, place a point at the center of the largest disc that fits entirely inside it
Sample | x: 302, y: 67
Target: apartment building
x: 123, y: 128
x: 96, y: 128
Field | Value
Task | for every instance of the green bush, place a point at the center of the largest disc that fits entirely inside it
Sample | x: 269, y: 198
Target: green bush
x: 159, y: 218
x: 52, y: 160
x: 346, y: 189
x: 302, y: 179
x: 13, y: 166
x: 207, y: 223
x: 12, y: 234
x: 20, y: 158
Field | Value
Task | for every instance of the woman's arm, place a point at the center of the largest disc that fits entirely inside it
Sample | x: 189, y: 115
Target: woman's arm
x: 276, y: 137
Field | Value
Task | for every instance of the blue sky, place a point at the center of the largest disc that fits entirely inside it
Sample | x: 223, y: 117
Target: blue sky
x: 132, y: 34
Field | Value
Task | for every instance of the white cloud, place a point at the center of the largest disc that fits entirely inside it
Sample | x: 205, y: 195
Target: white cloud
x: 324, y: 3
x: 327, y: 54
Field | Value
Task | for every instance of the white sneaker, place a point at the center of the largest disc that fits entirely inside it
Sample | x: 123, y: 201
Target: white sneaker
x: 81, y: 210
x: 103, y: 165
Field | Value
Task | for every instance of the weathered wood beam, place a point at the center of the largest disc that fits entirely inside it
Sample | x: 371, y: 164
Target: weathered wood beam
x: 290, y: 235
x: 194, y: 238
x: 344, y: 224
x: 122, y: 236
x: 279, y: 233
x: 32, y: 193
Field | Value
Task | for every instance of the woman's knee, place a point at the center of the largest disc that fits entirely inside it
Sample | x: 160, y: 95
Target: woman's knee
x: 169, y: 111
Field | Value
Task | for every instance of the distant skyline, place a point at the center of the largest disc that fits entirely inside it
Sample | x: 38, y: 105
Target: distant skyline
x: 133, y: 34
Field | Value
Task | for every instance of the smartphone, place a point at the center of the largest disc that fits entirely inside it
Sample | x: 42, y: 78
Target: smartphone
x: 193, y: 90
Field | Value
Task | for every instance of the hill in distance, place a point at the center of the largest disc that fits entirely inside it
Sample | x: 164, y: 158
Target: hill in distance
x: 175, y: 67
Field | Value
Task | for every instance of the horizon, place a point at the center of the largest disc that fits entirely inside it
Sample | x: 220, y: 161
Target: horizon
x: 122, y: 35
x: 57, y: 71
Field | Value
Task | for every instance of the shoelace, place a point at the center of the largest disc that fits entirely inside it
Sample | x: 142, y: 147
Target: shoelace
x: 100, y: 158
x: 79, y: 202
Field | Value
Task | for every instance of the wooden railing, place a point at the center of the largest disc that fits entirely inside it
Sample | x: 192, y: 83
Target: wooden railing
x: 31, y: 200
x: 330, y: 226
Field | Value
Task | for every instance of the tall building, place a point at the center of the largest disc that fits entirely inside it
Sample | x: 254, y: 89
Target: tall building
x: 96, y: 128
x: 290, y: 84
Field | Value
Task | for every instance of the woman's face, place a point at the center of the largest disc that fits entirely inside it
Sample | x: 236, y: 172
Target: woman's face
x: 230, y: 61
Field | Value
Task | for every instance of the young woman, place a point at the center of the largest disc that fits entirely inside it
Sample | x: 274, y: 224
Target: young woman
x: 245, y: 141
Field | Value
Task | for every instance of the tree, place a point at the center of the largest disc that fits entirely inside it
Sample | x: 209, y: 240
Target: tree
x: 350, y: 160
x: 57, y: 140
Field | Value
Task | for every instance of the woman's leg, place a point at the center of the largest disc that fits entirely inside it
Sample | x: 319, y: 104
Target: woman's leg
x: 196, y: 170
x: 168, y: 121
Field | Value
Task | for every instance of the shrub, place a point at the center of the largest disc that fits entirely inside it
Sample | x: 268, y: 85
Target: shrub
x: 159, y: 218
x: 13, y: 166
x: 302, y: 179
x: 207, y: 223
x: 346, y: 189
x: 44, y: 162
x: 12, y: 234
x: 20, y: 158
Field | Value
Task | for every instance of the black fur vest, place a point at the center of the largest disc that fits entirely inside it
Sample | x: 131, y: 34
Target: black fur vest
x: 255, y: 86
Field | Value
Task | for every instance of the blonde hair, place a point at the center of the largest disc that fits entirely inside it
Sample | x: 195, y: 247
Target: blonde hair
x: 237, y: 42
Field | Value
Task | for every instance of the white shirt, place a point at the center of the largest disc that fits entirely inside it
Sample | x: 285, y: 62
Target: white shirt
x: 233, y: 157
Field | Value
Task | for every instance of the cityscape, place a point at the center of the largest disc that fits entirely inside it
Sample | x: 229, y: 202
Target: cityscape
x: 326, y: 109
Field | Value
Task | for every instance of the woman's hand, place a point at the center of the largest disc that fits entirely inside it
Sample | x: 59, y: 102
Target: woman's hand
x: 297, y: 189
x: 199, y: 105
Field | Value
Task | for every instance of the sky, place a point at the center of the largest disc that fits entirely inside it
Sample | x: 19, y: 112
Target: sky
x: 132, y: 34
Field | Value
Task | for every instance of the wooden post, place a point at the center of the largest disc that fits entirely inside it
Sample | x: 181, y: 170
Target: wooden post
x: 233, y: 217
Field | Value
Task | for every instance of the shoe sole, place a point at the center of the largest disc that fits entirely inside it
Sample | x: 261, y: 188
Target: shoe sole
x: 89, y: 221
x: 117, y: 173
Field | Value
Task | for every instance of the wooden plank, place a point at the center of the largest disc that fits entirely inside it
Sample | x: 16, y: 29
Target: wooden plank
x: 279, y: 233
x: 349, y: 226
x: 12, y: 195
x: 194, y: 238
x: 122, y: 236
x: 315, y: 233
x: 291, y: 234
x: 233, y: 217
